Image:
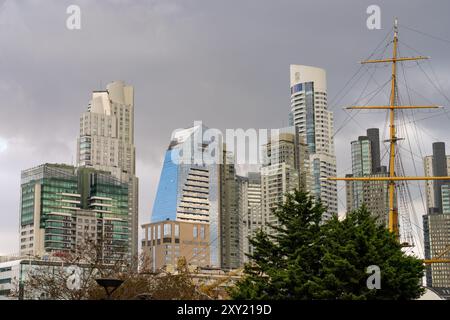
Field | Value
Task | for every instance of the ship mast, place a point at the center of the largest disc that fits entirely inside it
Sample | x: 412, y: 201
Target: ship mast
x: 392, y: 107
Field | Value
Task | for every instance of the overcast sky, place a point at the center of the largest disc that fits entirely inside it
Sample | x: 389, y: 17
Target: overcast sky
x: 223, y: 62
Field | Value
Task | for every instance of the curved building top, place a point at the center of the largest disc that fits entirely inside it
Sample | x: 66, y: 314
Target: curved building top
x: 303, y: 74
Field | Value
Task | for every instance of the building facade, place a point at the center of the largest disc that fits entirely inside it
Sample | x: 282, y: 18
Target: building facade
x: 230, y: 223
x: 250, y: 211
x: 429, y: 185
x: 366, y: 162
x: 166, y: 241
x: 63, y: 206
x: 310, y: 114
x: 197, y: 187
x: 437, y: 240
x: 436, y: 222
x: 106, y: 142
x: 285, y: 168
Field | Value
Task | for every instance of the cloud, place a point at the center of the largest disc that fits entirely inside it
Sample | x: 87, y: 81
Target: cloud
x: 223, y: 62
x: 3, y: 145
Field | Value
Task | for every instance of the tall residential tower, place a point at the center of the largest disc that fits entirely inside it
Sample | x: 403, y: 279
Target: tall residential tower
x: 436, y: 224
x: 309, y: 113
x: 366, y: 162
x: 106, y: 142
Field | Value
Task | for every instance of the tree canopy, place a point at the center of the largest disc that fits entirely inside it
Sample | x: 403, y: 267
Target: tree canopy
x: 305, y: 258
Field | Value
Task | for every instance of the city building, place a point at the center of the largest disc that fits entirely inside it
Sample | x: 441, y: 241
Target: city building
x: 106, y: 142
x: 250, y: 211
x: 310, y: 114
x: 437, y: 241
x: 230, y: 224
x: 9, y: 276
x: 16, y: 270
x: 63, y: 206
x: 199, y: 188
x: 366, y: 162
x: 166, y: 241
x: 284, y: 169
x: 436, y: 223
x: 429, y: 172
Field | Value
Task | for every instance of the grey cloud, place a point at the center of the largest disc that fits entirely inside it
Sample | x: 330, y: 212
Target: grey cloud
x: 223, y: 62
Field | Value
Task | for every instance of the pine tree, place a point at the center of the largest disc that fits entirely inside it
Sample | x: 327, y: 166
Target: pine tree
x: 307, y: 259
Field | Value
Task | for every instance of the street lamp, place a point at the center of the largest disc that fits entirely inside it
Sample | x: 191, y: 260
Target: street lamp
x: 110, y: 285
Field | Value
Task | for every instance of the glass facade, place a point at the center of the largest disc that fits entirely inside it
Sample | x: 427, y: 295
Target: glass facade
x: 361, y: 166
x: 166, y: 201
x: 315, y: 125
x: 63, y: 196
x: 297, y: 88
x: 189, y: 189
x: 310, y: 117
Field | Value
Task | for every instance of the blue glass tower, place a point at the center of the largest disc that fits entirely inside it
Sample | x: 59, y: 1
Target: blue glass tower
x: 189, y: 185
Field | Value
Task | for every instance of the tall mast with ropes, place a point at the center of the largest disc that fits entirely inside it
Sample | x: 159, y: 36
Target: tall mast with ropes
x: 393, y: 106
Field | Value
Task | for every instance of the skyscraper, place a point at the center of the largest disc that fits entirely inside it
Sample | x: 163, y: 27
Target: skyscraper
x: 194, y: 188
x: 62, y: 206
x: 229, y: 215
x: 250, y: 211
x: 373, y: 134
x: 436, y: 165
x: 106, y: 142
x: 437, y: 222
x: 436, y: 229
x: 361, y: 150
x: 366, y: 162
x: 284, y: 169
x: 309, y: 113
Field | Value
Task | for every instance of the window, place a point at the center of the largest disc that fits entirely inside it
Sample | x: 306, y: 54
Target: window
x: 195, y: 232
x: 202, y: 232
x: 167, y: 230
x: 149, y: 233
x: 177, y: 231
x: 159, y: 232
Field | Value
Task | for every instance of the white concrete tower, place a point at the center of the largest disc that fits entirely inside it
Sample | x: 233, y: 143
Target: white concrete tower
x: 106, y: 142
x: 310, y: 115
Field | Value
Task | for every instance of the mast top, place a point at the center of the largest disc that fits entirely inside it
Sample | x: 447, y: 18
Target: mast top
x: 395, y: 28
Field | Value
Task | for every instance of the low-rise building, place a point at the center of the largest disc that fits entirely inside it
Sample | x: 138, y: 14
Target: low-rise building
x: 166, y: 241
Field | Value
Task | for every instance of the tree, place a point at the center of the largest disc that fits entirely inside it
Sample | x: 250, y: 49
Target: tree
x: 307, y: 259
x: 72, y: 276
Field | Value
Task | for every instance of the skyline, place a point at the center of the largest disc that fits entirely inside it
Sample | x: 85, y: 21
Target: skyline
x: 29, y: 99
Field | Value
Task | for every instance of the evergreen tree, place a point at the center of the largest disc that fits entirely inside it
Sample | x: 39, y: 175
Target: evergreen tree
x: 306, y: 259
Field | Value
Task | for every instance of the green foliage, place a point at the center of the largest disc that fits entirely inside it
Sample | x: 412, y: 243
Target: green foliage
x: 308, y: 259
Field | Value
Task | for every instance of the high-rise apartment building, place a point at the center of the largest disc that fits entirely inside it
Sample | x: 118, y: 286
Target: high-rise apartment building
x: 285, y: 168
x: 230, y: 224
x: 250, y: 211
x: 437, y: 222
x: 366, y: 162
x: 106, y: 142
x: 196, y: 188
x: 436, y: 228
x: 63, y: 206
x: 428, y: 165
x: 310, y: 114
